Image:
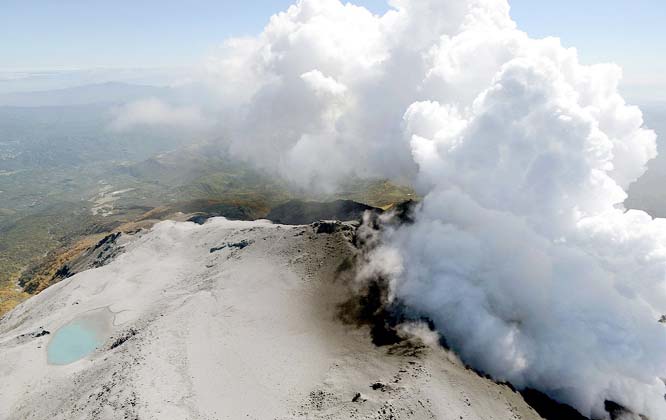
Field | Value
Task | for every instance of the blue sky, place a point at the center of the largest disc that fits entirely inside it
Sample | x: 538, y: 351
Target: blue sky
x: 49, y: 34
x: 631, y: 33
x: 126, y: 33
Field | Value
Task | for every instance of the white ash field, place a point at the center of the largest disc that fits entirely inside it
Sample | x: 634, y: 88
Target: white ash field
x: 228, y: 320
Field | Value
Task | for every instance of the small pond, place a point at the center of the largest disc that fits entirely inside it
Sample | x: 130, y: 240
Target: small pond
x: 79, y: 338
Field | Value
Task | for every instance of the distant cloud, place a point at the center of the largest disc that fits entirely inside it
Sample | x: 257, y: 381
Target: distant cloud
x: 156, y: 113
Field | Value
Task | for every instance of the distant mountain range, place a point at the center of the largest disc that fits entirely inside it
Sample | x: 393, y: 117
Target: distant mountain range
x: 99, y: 93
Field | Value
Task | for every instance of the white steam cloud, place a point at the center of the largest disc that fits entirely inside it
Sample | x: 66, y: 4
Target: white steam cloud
x: 157, y: 113
x: 521, y: 253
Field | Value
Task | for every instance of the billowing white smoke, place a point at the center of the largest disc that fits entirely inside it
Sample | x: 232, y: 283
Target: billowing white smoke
x: 522, y: 253
x: 153, y: 112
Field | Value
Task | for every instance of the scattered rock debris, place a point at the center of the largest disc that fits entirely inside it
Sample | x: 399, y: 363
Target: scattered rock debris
x: 358, y: 397
x: 319, y: 399
x: 28, y: 336
x: 122, y: 339
x: 238, y: 245
x: 332, y: 226
x: 41, y: 333
x: 199, y: 219
x: 378, y: 386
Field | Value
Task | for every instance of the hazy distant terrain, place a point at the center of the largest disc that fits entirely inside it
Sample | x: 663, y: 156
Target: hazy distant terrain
x: 65, y: 176
x: 102, y: 93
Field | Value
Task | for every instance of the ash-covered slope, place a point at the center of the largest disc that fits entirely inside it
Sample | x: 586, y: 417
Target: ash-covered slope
x: 227, y: 320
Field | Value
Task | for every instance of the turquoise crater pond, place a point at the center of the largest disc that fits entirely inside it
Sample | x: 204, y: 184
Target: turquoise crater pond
x: 78, y: 338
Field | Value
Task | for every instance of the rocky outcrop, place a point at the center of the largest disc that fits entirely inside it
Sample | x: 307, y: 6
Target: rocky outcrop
x: 66, y: 263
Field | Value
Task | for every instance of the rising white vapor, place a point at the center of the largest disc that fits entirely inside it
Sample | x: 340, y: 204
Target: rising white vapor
x: 157, y: 113
x: 521, y: 253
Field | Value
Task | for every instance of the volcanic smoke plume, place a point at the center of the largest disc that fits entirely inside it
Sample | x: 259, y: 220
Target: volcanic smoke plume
x: 521, y: 253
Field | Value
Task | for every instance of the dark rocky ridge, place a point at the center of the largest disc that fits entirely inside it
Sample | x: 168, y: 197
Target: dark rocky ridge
x: 298, y: 212
x: 101, y: 254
